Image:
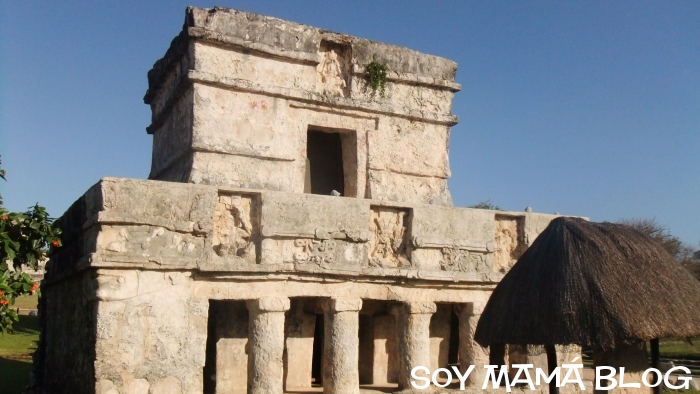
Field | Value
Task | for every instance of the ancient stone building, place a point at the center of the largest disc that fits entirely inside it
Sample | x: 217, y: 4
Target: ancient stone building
x: 296, y: 229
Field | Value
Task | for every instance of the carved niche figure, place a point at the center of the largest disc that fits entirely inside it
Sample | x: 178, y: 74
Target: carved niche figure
x: 233, y: 227
x: 330, y: 74
x: 388, y: 241
x: 509, y: 245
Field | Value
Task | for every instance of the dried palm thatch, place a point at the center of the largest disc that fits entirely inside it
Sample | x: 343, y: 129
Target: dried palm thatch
x: 591, y: 284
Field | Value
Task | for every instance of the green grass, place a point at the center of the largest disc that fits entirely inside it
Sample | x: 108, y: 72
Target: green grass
x: 16, y: 355
x: 679, y: 348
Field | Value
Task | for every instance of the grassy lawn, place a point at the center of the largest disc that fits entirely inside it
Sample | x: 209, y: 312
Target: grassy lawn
x: 680, y: 348
x: 16, y: 355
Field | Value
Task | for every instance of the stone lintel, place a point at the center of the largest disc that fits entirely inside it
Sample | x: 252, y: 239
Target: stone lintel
x: 269, y: 304
x: 321, y: 101
x: 471, y: 308
x: 316, y: 98
x: 418, y: 307
x: 335, y: 305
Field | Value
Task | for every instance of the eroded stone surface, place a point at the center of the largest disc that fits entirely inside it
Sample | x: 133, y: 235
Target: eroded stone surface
x: 229, y: 110
x: 228, y: 277
x: 266, y: 345
x: 341, y: 346
x: 388, y: 244
x: 510, y: 242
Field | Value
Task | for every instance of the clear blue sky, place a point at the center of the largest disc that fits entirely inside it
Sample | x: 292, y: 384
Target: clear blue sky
x: 584, y: 108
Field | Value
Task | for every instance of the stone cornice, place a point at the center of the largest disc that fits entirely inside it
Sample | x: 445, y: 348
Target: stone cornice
x: 237, y: 84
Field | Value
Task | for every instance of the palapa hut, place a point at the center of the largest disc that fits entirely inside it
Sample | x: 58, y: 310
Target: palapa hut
x: 599, y: 285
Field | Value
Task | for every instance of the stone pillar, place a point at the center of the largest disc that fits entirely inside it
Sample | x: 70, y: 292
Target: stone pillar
x: 266, y: 345
x: 470, y: 352
x: 341, y: 346
x: 413, y: 334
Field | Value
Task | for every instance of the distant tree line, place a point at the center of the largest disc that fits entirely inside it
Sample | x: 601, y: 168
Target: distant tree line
x: 685, y: 254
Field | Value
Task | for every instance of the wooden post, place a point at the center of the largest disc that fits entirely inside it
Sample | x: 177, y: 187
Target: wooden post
x: 654, y: 345
x: 552, y: 365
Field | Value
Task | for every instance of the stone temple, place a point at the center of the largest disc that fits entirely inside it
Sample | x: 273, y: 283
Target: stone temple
x: 296, y: 230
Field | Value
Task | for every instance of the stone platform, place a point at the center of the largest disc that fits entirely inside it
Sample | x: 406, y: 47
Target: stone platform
x: 151, y: 271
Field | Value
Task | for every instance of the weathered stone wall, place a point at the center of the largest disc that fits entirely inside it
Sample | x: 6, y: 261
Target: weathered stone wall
x: 231, y: 279
x: 158, y: 225
x: 143, y: 261
x: 232, y: 111
x: 151, y: 331
x: 64, y: 360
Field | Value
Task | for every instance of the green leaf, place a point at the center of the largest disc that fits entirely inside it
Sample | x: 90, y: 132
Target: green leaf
x: 9, y: 253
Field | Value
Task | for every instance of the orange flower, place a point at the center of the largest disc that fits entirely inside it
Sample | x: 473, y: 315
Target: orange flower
x: 4, y: 301
x: 34, y: 286
x: 55, y: 243
x: 2, y: 292
x: 5, y: 217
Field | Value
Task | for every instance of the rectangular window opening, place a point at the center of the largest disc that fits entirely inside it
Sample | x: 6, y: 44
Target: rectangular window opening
x: 324, y: 152
x: 331, y: 162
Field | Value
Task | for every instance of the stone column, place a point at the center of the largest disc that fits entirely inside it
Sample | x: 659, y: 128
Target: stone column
x: 266, y: 344
x: 470, y: 352
x: 341, y: 346
x: 413, y: 334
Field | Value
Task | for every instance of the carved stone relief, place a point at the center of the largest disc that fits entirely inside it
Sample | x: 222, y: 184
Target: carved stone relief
x: 455, y: 259
x: 315, y: 251
x: 388, y: 246
x: 233, y: 227
x: 119, y: 246
x: 152, y: 241
x: 510, y: 243
x: 333, y: 69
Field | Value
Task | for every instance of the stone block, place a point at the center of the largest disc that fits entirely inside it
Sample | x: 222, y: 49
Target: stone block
x: 306, y: 215
x: 408, y: 189
x: 385, y: 350
x: 419, y: 307
x: 411, y: 148
x: 335, y: 305
x: 440, y: 227
x: 167, y: 385
x: 299, y: 333
x: 269, y: 304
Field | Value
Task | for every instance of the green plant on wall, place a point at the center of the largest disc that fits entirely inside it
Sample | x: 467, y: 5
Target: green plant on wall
x: 377, y: 77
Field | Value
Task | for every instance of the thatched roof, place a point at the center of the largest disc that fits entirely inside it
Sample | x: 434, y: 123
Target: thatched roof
x: 591, y: 284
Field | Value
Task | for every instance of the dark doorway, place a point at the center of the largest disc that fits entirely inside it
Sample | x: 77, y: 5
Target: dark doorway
x: 227, y: 335
x: 453, y: 355
x: 317, y: 360
x: 325, y: 154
